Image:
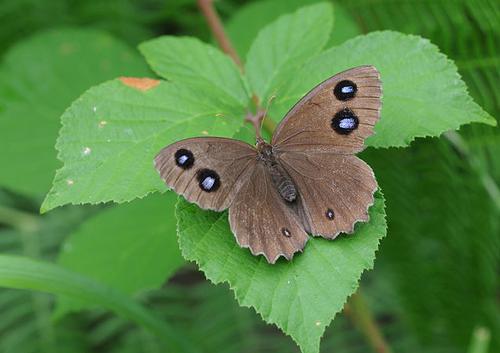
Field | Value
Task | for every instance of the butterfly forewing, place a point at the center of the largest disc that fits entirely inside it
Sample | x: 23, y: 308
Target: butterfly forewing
x: 208, y: 171
x: 336, y: 116
x: 261, y: 221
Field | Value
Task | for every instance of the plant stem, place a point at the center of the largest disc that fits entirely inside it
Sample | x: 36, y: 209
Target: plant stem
x: 359, y: 312
x: 215, y: 24
x: 18, y: 219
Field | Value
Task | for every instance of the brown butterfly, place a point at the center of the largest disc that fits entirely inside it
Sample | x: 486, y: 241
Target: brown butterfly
x: 307, y: 180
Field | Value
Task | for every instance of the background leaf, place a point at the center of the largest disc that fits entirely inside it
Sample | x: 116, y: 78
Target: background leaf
x: 281, y: 48
x: 23, y: 273
x: 25, y: 324
x: 423, y: 94
x: 245, y: 24
x: 112, y: 133
x: 191, y: 62
x: 131, y: 247
x: 435, y: 204
x: 124, y: 18
x: 288, y: 294
x: 40, y: 78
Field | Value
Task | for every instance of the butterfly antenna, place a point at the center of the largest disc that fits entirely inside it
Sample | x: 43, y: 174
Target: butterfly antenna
x: 263, y: 114
x: 257, y: 120
x: 267, y: 108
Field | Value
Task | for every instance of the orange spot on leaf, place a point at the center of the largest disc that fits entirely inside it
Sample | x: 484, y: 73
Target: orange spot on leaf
x: 142, y: 84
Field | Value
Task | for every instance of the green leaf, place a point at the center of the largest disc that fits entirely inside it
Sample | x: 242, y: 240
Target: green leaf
x: 282, y: 47
x: 423, y: 93
x: 302, y: 296
x: 40, y: 236
x: 130, y: 247
x: 111, y: 134
x: 192, y: 62
x: 345, y: 27
x: 24, y: 273
x: 127, y: 19
x: 245, y: 24
x: 26, y: 324
x: 40, y: 77
x: 444, y: 250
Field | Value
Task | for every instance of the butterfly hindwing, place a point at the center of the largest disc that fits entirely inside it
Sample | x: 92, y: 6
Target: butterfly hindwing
x: 316, y: 143
x: 336, y: 116
x: 261, y: 221
x: 335, y: 190
x: 208, y: 171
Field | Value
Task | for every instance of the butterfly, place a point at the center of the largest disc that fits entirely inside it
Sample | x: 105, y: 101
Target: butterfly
x: 307, y: 180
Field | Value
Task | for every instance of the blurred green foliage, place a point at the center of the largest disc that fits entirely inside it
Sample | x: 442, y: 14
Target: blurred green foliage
x: 436, y: 275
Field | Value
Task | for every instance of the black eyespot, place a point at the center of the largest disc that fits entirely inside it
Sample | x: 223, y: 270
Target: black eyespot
x: 286, y: 232
x: 329, y: 214
x: 208, y: 180
x: 184, y: 158
x: 345, y: 121
x: 345, y: 90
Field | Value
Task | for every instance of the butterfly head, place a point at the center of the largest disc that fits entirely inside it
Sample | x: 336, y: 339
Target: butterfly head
x: 264, y: 148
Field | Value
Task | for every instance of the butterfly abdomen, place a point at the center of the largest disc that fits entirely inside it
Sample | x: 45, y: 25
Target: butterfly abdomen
x: 283, y: 183
x: 281, y: 180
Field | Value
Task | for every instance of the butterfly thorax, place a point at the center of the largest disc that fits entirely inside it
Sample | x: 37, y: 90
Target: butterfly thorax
x: 281, y: 180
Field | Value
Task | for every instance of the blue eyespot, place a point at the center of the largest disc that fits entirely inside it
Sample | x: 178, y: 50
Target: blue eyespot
x: 184, y: 158
x: 208, y: 183
x: 345, y: 90
x: 345, y: 121
x: 208, y: 180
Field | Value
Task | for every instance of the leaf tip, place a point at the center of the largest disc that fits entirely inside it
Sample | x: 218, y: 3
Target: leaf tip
x: 489, y: 120
x: 45, y: 207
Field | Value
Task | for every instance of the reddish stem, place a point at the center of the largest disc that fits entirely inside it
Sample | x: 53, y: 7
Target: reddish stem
x: 215, y: 24
x: 217, y: 29
x: 358, y: 311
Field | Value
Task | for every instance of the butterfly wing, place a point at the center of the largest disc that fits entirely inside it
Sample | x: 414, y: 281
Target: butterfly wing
x: 208, y: 171
x: 261, y: 221
x: 336, y: 116
x: 316, y: 142
x: 335, y: 190
x: 330, y: 122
